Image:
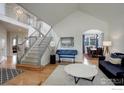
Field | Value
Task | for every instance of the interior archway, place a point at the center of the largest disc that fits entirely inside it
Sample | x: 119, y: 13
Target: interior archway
x: 92, y: 40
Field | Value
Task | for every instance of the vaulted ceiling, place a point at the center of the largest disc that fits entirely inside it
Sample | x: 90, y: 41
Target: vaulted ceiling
x: 106, y: 12
x: 53, y: 13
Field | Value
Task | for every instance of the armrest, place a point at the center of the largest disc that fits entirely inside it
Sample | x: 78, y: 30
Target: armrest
x: 101, y: 58
x: 119, y: 53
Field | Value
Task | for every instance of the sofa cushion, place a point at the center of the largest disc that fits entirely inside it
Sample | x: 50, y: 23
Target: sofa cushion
x: 114, y: 69
x: 115, y: 60
x: 67, y: 56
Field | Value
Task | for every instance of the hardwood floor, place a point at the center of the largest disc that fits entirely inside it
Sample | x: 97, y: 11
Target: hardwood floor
x: 94, y: 61
x: 33, y: 77
x: 9, y: 63
x: 90, y: 60
x: 29, y: 77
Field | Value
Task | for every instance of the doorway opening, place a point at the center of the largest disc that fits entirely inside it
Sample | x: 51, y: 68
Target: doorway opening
x: 93, y: 42
x: 14, y: 49
x: 14, y: 45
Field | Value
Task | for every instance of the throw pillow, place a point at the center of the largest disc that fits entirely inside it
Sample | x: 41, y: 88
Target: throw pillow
x: 115, y: 60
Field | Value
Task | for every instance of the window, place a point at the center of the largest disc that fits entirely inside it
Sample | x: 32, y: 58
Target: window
x: 90, y: 40
x: 14, y: 42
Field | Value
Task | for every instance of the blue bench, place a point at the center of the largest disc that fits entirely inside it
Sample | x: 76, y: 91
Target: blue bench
x: 65, y: 53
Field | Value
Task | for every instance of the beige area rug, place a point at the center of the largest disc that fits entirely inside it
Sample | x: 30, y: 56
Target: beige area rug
x: 60, y: 77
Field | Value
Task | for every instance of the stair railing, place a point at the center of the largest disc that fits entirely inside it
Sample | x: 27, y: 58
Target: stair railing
x: 26, y: 45
x: 20, y: 14
x: 44, y: 45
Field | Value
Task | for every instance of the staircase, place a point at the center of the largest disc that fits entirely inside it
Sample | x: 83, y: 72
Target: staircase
x: 31, y: 58
x: 31, y: 50
x: 34, y: 55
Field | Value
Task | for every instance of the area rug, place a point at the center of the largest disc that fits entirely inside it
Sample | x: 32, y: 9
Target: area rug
x: 7, y: 74
x: 60, y: 77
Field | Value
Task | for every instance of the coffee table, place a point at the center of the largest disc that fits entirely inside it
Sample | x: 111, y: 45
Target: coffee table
x: 81, y: 71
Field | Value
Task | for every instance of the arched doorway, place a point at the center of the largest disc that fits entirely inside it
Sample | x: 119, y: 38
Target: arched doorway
x: 92, y: 41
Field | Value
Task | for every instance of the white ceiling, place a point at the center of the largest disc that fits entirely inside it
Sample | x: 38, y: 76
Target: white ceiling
x: 51, y: 13
x: 54, y: 13
x: 107, y: 12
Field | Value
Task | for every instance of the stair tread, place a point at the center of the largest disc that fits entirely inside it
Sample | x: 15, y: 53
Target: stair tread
x: 34, y: 54
x: 30, y: 63
x: 30, y: 60
x: 29, y: 67
x: 35, y: 57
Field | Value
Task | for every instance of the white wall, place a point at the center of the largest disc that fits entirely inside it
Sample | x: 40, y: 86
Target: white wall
x: 75, y: 24
x: 3, y: 42
x: 2, y: 8
x: 46, y: 57
x: 117, y: 36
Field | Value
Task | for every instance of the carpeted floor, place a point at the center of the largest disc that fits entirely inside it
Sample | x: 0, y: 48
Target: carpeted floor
x: 60, y: 77
x: 7, y: 74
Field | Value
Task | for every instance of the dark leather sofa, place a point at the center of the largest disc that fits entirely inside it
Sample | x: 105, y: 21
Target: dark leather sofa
x: 113, y: 71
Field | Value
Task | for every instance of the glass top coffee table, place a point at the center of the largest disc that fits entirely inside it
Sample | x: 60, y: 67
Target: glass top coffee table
x: 81, y: 71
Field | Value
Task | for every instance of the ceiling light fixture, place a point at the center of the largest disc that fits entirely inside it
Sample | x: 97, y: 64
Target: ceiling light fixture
x: 18, y: 10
